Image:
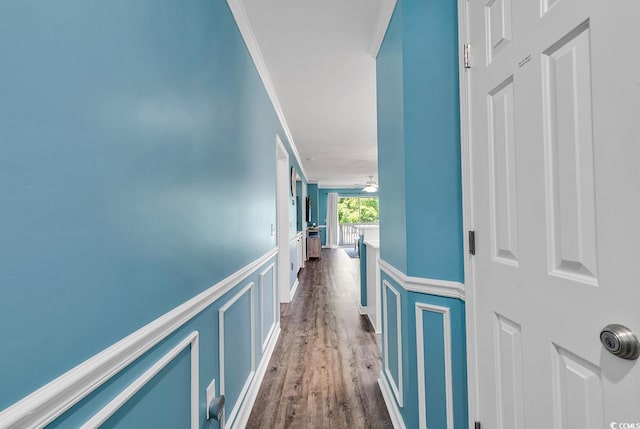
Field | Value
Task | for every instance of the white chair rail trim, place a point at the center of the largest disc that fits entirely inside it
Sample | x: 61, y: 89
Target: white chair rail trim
x: 437, y: 287
x: 112, y: 407
x: 50, y: 401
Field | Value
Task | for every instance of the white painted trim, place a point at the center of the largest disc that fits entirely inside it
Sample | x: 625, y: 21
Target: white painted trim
x: 282, y: 221
x: 295, y: 238
x: 110, y: 409
x: 244, y: 25
x: 294, y: 289
x: 466, y: 151
x: 396, y: 385
x: 252, y: 393
x: 436, y: 287
x: 50, y: 401
x: 384, y: 18
x: 363, y: 311
x: 375, y: 329
x: 422, y: 392
x: 392, y: 407
x: 264, y: 339
x: 221, y: 338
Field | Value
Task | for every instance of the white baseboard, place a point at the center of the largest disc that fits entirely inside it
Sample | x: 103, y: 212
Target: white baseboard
x: 252, y: 393
x: 363, y: 311
x: 376, y: 329
x: 392, y: 407
x: 294, y: 289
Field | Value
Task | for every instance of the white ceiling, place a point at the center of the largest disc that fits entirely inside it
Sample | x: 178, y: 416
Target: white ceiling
x: 324, y: 78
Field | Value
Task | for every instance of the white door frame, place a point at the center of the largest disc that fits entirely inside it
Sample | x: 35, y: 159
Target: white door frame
x: 467, y: 216
x: 303, y: 209
x: 282, y: 222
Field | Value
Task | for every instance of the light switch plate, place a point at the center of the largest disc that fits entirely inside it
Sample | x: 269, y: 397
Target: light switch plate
x: 211, y: 393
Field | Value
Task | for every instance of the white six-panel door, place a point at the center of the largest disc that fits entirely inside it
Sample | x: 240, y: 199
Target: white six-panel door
x: 554, y: 141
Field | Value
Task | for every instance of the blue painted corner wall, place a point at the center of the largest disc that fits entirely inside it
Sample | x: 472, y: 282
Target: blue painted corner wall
x: 421, y: 229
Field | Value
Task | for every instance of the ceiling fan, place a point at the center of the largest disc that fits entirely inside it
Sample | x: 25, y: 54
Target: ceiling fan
x: 370, y: 186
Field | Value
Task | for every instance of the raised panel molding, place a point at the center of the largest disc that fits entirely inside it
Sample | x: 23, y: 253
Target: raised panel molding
x: 578, y: 397
x: 396, y: 385
x: 570, y: 182
x: 502, y: 172
x: 436, y: 287
x: 230, y: 417
x: 422, y: 388
x: 52, y: 400
x: 265, y: 336
x: 112, y: 407
x: 497, y: 27
x: 509, y: 377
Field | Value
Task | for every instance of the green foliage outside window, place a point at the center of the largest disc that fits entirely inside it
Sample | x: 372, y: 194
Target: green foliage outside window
x: 358, y: 210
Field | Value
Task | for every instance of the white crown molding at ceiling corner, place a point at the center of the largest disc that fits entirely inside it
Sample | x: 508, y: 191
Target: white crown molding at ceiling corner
x: 384, y: 18
x: 242, y: 20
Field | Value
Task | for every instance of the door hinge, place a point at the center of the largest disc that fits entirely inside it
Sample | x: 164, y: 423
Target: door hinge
x: 477, y: 425
x: 467, y: 61
x: 472, y: 242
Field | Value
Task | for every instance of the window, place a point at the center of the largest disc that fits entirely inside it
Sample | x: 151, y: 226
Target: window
x: 358, y: 210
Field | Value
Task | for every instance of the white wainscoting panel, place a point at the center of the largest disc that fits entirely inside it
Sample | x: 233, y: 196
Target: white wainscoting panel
x: 396, y: 385
x: 52, y: 400
x: 112, y: 407
x: 265, y: 336
x: 229, y: 420
x: 252, y: 393
x: 422, y: 388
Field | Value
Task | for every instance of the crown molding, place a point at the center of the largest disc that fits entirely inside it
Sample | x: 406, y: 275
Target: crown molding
x: 242, y: 21
x: 384, y: 18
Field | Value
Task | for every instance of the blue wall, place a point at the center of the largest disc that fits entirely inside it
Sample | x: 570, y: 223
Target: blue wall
x: 138, y: 169
x: 391, y: 155
x: 421, y: 229
x: 419, y: 141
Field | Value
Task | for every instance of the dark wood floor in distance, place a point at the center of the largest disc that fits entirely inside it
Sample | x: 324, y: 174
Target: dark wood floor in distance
x: 324, y: 370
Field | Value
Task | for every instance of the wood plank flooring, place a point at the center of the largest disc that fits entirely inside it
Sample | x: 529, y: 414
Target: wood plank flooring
x: 324, y: 370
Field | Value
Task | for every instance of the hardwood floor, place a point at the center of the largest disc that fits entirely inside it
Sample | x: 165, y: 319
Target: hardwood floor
x: 324, y: 370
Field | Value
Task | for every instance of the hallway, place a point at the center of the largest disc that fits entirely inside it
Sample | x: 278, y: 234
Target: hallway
x: 324, y: 370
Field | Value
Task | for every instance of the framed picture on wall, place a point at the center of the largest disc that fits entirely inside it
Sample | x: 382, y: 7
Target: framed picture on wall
x: 293, y: 182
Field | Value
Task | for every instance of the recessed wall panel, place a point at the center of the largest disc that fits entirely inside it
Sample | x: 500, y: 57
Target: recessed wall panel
x: 578, y: 397
x: 508, y: 344
x: 392, y: 338
x: 502, y: 168
x: 571, y: 212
